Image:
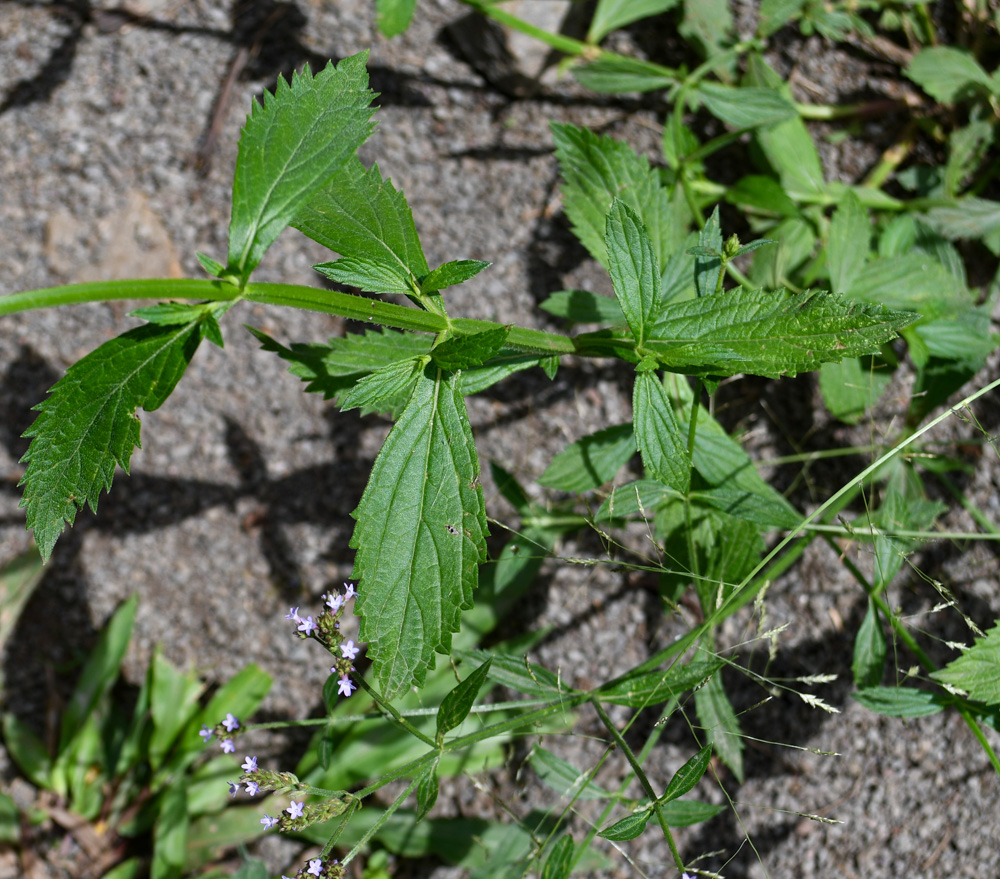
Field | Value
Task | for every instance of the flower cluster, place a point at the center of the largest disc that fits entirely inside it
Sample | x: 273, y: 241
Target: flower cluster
x: 226, y: 730
x: 326, y: 629
x: 316, y: 869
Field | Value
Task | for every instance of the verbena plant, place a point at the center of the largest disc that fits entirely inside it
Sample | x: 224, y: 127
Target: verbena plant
x: 422, y: 524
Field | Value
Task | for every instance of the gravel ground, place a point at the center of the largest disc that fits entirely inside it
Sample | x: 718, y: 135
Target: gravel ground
x: 238, y: 504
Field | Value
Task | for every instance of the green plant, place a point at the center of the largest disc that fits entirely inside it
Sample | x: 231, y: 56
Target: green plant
x: 134, y: 776
x: 890, y: 263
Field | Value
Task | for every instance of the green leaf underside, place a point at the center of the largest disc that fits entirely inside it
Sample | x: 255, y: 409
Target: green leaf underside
x: 853, y: 386
x: 657, y: 434
x: 900, y: 701
x: 771, y: 334
x: 384, y: 386
x: 977, y: 671
x: 367, y: 274
x: 597, y: 170
x: 420, y: 534
x: 88, y: 424
x: 290, y: 148
x: 590, y: 461
x: 634, y: 270
x: 336, y: 367
x: 360, y: 215
x: 473, y: 349
x: 451, y: 273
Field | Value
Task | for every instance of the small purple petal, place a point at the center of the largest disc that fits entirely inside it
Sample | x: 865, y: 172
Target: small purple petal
x: 253, y: 788
x: 315, y: 867
x: 345, y: 686
x: 233, y: 788
x: 293, y: 614
x: 307, y: 625
x: 351, y: 591
x: 250, y: 764
x: 227, y: 745
x: 206, y: 733
x: 231, y: 723
x: 295, y: 809
x: 348, y: 650
x: 268, y: 822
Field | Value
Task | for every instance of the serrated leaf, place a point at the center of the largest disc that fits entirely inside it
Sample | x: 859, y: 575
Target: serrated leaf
x: 969, y: 217
x: 393, y: 16
x: 420, y: 534
x: 656, y: 687
x: 469, y: 350
x: 977, y: 671
x: 383, y: 389
x: 948, y: 74
x: 455, y: 707
x: 746, y: 107
x: 769, y: 333
x: 584, y: 307
x: 427, y: 792
x: 900, y: 701
x: 369, y: 275
x: 868, y: 664
x: 967, y: 147
x: 597, y: 170
x: 290, y: 148
x: 455, y: 272
x: 774, y: 14
x: 564, y: 778
x: 614, y: 14
x: 590, y: 461
x: 847, y: 250
x: 707, y: 262
x: 708, y: 26
x: 688, y: 775
x: 211, y: 266
x: 628, y: 828
x: 559, y: 863
x: 507, y: 361
x: 658, y: 436
x: 722, y: 727
x: 620, y: 74
x: 767, y: 509
x: 361, y: 215
x: 634, y: 270
x: 88, y: 425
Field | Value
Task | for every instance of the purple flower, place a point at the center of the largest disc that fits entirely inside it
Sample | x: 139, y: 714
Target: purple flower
x: 268, y: 822
x: 351, y: 591
x: 253, y: 788
x: 250, y: 764
x: 348, y: 650
x: 345, y: 686
x: 231, y: 723
x: 334, y: 602
x: 315, y: 867
x: 307, y: 625
x: 206, y: 733
x: 233, y: 788
x: 295, y: 809
x: 293, y: 614
x: 227, y: 746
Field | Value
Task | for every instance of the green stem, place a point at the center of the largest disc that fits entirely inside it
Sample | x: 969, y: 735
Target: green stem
x: 871, y: 533
x: 390, y: 710
x: 378, y: 824
x: 643, y: 780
